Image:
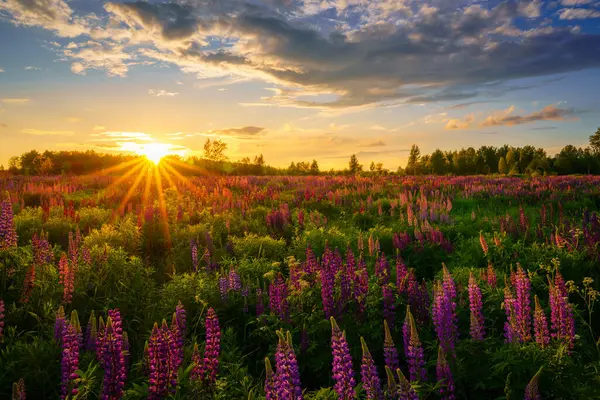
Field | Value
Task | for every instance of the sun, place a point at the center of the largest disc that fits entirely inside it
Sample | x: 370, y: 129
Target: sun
x: 155, y: 151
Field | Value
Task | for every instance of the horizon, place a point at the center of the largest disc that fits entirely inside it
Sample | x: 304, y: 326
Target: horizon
x: 298, y: 80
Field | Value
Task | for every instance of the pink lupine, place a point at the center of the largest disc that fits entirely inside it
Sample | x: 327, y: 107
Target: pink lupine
x: 540, y: 325
x: 475, y: 305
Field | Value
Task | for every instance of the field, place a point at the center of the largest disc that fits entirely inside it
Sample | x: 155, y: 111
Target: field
x: 351, y: 287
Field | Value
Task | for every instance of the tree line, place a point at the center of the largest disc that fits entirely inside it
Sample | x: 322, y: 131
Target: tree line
x: 506, y: 160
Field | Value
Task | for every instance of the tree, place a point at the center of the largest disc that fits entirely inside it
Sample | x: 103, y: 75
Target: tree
x: 595, y: 142
x: 372, y: 166
x: 502, y: 167
x: 314, y: 168
x: 354, y: 165
x: 214, y: 150
x: 413, y: 159
x: 259, y: 160
x: 44, y: 165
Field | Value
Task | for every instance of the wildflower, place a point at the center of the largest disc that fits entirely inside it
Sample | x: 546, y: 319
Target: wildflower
x: 77, y: 325
x: 269, y: 381
x: 390, y: 353
x: 510, y: 326
x: 278, y: 293
x: 205, y: 368
x: 235, y: 282
x: 18, y: 390
x: 8, y: 233
x: 444, y: 375
x: 368, y: 373
x: 444, y: 316
x: 287, y: 375
x: 110, y: 346
x: 388, y: 305
x: 561, y: 316
x: 223, y: 287
x: 401, y: 390
x: 483, y: 242
x: 342, y: 364
x: 540, y: 325
x: 158, y: 364
x: 1, y: 319
x: 69, y: 360
x: 415, y: 355
x: 194, y: 251
x: 361, y: 286
x: 522, y: 305
x: 477, y: 321
x: 532, y: 390
x: 59, y: 324
x: 28, y: 284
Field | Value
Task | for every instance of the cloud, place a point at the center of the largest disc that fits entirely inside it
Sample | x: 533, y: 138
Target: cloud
x: 570, y: 3
x: 161, y: 93
x: 42, y: 132
x: 377, y: 143
x: 32, y: 68
x: 548, y: 113
x: 578, y: 13
x: 544, y: 128
x: 99, y: 128
x: 239, y: 132
x: 14, y: 101
x: 507, y: 117
x: 354, y: 54
x: 1, y: 70
x: 122, y: 136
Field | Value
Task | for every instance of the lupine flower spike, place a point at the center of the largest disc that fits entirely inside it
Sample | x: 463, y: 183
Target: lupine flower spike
x: 368, y: 373
x: 18, y: 390
x: 475, y: 305
x: 287, y: 376
x: 444, y: 375
x: 415, y: 356
x: 390, y: 352
x: 540, y: 325
x: 270, y: 393
x: 532, y: 390
x: 343, y: 373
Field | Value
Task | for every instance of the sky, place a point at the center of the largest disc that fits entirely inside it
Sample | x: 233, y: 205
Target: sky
x: 298, y: 80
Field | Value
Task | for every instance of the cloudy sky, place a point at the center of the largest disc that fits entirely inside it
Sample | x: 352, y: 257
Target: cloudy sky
x: 298, y: 79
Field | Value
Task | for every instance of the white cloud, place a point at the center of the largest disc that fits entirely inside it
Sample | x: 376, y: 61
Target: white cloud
x: 578, y: 13
x: 32, y: 68
x: 14, y: 101
x: 161, y: 93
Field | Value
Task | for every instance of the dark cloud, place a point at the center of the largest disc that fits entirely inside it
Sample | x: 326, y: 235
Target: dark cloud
x: 377, y: 143
x: 244, y: 131
x: 544, y: 128
x: 549, y: 113
x: 364, y: 53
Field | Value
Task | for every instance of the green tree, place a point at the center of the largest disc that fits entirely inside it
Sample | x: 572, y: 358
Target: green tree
x: 314, y: 168
x: 595, y: 142
x: 413, y: 159
x: 354, y: 166
x: 214, y: 150
x: 502, y: 167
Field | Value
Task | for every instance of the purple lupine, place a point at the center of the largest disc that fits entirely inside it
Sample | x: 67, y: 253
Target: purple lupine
x: 418, y: 298
x: 287, y: 375
x: 444, y: 375
x: 523, y: 305
x: 369, y: 375
x: 448, y: 283
x: 532, y: 390
x: 406, y: 330
x: 194, y: 251
x: 405, y: 389
x: 444, y: 317
x: 74, y: 320
x: 8, y: 233
x: 390, y: 353
x: 157, y: 364
x: 346, y: 277
x: 415, y: 355
x: 311, y: 265
x: 561, y: 316
x: 59, y: 324
x: 510, y: 326
x: 327, y: 276
x: 540, y: 325
x: 235, y: 282
x: 278, y: 293
x: 270, y: 393
x: 388, y: 305
x: 223, y: 287
x: 113, y: 359
x: 18, y: 390
x: 1, y: 319
x: 260, y: 306
x: 178, y: 340
x: 361, y: 287
x: 209, y: 364
x: 475, y: 305
x: 69, y: 360
x: 401, y: 273
x: 343, y: 373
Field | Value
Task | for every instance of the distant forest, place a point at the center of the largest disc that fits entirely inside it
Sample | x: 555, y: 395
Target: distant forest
x: 505, y: 160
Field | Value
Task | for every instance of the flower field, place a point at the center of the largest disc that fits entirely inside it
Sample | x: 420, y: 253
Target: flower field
x: 299, y: 287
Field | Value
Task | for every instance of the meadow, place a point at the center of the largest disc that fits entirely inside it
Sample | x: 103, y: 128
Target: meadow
x: 154, y: 285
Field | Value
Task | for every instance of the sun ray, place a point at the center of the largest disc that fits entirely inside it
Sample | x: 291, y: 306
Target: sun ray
x: 194, y: 168
x: 124, y: 177
x: 162, y: 206
x: 114, y: 168
x: 129, y: 193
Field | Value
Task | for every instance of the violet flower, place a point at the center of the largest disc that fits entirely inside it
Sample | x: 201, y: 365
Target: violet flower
x: 343, y: 373
x: 444, y: 375
x: 390, y: 353
x: 475, y: 305
x: 369, y: 376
